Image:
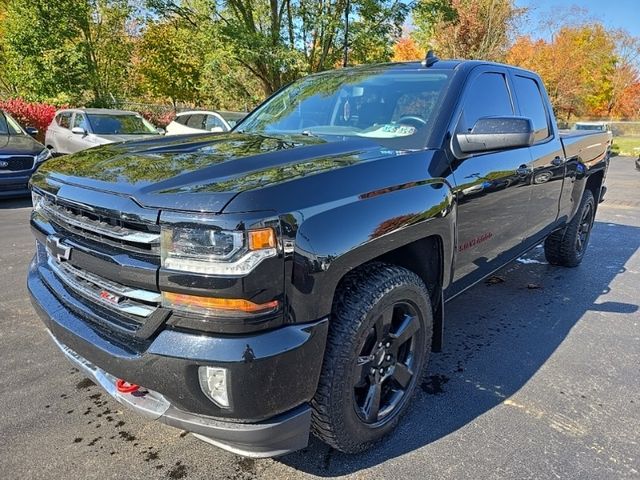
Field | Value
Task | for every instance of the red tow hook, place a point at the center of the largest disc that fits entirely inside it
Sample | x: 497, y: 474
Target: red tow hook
x: 126, y: 387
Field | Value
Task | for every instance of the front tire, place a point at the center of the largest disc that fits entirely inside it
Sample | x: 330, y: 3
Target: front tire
x: 377, y: 349
x: 567, y: 247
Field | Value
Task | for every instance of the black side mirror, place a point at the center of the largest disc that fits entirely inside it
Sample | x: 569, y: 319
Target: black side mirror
x: 497, y: 133
x: 31, y: 131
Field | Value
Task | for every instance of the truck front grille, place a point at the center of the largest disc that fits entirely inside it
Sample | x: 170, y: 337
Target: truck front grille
x: 79, y: 220
x: 111, y: 295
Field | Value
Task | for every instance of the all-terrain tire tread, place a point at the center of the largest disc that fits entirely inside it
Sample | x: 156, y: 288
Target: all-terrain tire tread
x: 360, y: 290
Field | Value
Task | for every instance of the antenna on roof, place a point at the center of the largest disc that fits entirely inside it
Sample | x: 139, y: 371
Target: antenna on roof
x: 430, y: 59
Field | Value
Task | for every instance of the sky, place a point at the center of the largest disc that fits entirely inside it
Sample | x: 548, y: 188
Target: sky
x: 623, y: 14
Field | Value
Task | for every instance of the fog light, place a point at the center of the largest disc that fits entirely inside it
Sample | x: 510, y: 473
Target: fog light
x: 213, y: 382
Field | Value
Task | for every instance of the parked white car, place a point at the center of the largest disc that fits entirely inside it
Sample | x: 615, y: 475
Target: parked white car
x: 199, y: 121
x: 78, y: 129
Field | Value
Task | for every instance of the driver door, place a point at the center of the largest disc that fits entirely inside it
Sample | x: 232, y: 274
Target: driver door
x: 492, y: 188
x: 75, y: 141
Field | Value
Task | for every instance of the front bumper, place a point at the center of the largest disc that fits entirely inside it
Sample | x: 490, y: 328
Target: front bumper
x: 12, y: 185
x: 269, y: 390
x: 283, y: 434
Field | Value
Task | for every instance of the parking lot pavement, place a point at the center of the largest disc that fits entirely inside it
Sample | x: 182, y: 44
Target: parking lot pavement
x: 539, y: 378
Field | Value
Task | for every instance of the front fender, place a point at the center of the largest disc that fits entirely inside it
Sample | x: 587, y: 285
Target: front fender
x: 330, y: 243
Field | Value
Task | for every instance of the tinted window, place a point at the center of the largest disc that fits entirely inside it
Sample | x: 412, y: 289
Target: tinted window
x: 182, y: 119
x: 64, y: 119
x: 8, y: 126
x: 196, y: 121
x: 214, y: 122
x: 487, y: 96
x: 120, y: 124
x: 80, y: 121
x: 532, y: 105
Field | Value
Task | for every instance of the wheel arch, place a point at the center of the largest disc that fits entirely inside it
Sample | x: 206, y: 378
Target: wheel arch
x: 412, y: 228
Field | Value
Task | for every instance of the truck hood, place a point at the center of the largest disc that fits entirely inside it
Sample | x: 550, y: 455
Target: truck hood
x: 102, y: 139
x: 202, y: 172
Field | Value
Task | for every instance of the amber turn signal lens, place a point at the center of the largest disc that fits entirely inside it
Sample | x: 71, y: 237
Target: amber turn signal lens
x: 262, y: 238
x: 194, y: 302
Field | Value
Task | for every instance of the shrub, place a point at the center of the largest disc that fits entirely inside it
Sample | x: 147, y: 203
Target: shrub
x: 159, y: 117
x: 38, y: 115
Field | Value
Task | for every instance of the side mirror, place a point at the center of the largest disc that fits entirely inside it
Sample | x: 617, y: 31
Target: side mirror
x: 497, y: 133
x: 161, y: 131
x: 31, y: 131
x: 78, y: 131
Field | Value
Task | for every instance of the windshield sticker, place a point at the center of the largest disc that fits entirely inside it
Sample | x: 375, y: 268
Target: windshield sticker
x: 390, y: 130
x: 346, y: 111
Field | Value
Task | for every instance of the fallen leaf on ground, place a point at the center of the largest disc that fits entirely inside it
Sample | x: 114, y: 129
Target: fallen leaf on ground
x: 493, y: 280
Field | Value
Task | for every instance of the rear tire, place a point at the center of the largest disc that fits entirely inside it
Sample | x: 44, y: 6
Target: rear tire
x: 377, y: 349
x: 567, y: 247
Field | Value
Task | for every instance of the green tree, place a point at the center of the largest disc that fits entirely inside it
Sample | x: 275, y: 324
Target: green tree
x: 277, y: 41
x: 170, y: 60
x: 62, y: 49
x: 475, y: 29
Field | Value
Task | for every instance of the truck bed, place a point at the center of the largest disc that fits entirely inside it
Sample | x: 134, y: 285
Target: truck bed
x: 591, y: 147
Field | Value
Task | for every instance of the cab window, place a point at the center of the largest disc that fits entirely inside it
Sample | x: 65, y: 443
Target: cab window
x: 532, y: 105
x: 487, y: 96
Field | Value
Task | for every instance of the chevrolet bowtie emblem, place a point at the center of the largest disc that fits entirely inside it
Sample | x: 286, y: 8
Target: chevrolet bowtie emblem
x: 55, y: 248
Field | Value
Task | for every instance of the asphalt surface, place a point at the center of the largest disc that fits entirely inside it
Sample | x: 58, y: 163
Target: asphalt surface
x: 540, y: 378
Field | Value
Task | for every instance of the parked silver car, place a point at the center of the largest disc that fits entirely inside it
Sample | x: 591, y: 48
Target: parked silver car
x: 78, y: 129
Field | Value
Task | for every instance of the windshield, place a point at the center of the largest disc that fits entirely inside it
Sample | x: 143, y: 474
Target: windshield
x: 8, y: 126
x: 376, y: 104
x: 105, y: 124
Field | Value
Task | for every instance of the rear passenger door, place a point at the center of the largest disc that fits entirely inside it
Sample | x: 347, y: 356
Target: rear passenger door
x: 492, y: 188
x: 62, y: 132
x: 547, y: 156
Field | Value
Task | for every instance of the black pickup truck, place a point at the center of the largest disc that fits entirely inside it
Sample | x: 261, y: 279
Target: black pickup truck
x: 291, y: 276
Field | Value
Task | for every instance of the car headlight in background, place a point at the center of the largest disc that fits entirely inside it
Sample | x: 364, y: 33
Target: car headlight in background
x: 43, y: 155
x: 214, y: 251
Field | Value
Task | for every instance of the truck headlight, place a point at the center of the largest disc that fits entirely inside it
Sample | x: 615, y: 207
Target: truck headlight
x: 214, y: 251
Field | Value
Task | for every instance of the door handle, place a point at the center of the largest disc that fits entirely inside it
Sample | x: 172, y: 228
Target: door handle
x: 523, y: 170
x: 557, y: 161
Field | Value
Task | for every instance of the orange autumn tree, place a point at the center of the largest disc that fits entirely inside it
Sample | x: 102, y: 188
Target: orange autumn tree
x: 405, y: 49
x: 577, y: 66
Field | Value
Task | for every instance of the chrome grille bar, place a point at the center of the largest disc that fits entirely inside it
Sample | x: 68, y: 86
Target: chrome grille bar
x: 59, y: 214
x: 94, y: 287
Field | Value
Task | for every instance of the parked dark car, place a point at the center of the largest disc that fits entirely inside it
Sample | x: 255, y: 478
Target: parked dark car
x: 20, y: 155
x: 291, y: 275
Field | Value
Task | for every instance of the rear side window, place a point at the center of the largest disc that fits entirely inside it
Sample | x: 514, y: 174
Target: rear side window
x: 182, y: 119
x: 488, y: 96
x: 196, y: 121
x: 64, y: 119
x: 532, y: 105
